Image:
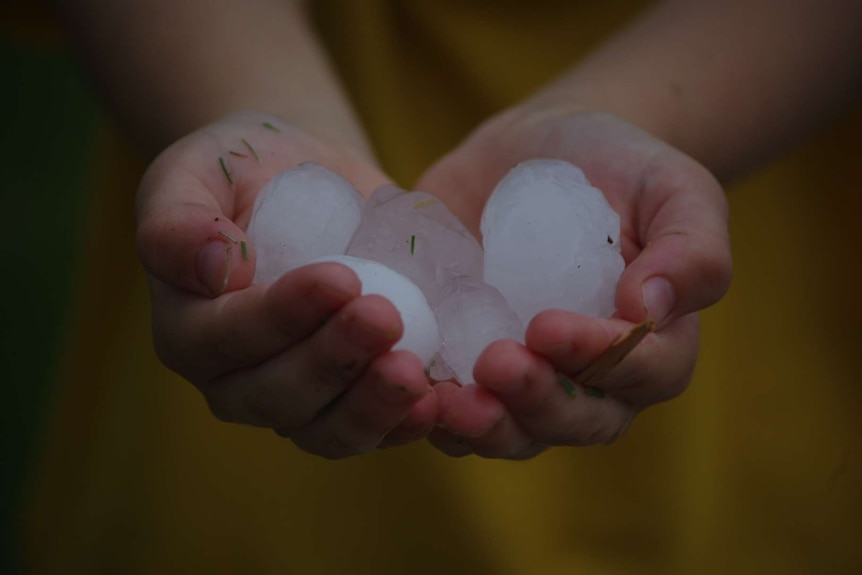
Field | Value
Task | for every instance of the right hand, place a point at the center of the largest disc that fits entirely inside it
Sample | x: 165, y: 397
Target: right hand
x: 673, y: 235
x: 306, y: 355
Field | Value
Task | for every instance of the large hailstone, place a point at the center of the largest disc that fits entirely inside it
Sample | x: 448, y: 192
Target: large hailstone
x: 421, y: 334
x: 300, y: 215
x: 473, y: 315
x: 415, y: 234
x: 551, y: 241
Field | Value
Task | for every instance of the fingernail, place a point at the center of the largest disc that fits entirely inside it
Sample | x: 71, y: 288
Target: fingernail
x: 658, y: 299
x: 213, y: 266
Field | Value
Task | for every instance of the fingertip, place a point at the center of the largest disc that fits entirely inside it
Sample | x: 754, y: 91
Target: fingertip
x: 333, y: 273
x: 377, y: 316
x: 327, y: 286
x: 196, y: 248
x: 470, y: 411
x: 402, y: 373
x: 553, y: 331
x: 449, y: 443
x: 502, y: 367
x: 418, y: 422
x: 673, y: 276
x: 569, y: 339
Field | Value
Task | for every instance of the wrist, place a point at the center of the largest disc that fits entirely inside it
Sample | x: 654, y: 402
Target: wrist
x: 573, y: 95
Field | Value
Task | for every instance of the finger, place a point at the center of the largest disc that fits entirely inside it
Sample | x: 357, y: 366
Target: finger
x: 289, y: 390
x: 192, y: 199
x: 201, y: 190
x: 446, y: 441
x: 505, y: 440
x: 572, y: 341
x: 449, y: 443
x: 197, y: 248
x: 470, y: 411
x: 358, y: 421
x: 418, y: 423
x: 478, y: 418
x: 201, y: 338
x: 657, y: 369
x: 685, y: 262
x: 554, y: 411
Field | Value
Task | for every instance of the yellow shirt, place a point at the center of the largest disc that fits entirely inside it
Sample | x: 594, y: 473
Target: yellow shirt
x: 756, y: 469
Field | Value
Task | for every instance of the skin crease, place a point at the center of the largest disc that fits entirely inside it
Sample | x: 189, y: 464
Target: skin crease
x: 650, y: 116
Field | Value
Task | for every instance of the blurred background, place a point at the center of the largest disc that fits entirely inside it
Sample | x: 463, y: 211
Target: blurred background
x: 49, y: 120
x: 755, y: 469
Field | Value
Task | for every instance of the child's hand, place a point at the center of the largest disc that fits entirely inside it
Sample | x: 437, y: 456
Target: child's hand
x: 306, y: 355
x: 675, y: 243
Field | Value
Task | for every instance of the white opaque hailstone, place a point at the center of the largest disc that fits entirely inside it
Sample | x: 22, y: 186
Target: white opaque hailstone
x: 300, y: 215
x: 551, y: 241
x: 472, y: 315
x: 415, y: 234
x: 421, y: 334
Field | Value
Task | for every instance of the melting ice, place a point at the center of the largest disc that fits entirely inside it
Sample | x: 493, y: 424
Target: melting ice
x: 550, y: 240
x: 300, y: 215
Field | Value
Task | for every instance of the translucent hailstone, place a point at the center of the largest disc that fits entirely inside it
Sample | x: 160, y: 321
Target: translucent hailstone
x: 472, y: 315
x: 421, y: 334
x: 300, y: 215
x: 415, y: 234
x: 438, y: 370
x: 551, y: 241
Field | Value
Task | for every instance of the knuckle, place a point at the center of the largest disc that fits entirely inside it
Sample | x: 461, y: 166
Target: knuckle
x: 221, y: 409
x: 674, y: 388
x: 244, y: 401
x: 599, y: 433
x: 716, y: 268
x: 502, y: 450
x: 592, y: 432
x: 151, y: 244
x: 335, y: 445
x: 263, y: 412
x: 168, y: 350
x: 580, y: 429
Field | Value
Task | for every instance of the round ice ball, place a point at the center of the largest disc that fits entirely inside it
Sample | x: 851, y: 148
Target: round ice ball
x: 551, y: 240
x: 421, y: 334
x: 302, y: 214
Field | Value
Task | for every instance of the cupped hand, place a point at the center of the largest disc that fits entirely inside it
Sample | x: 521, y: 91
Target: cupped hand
x: 306, y: 355
x: 675, y: 243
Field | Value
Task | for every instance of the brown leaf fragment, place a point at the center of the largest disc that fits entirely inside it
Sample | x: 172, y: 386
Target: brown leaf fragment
x: 615, y: 353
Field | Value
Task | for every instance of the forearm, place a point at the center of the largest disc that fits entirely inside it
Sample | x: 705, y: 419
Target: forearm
x: 730, y: 82
x: 167, y: 67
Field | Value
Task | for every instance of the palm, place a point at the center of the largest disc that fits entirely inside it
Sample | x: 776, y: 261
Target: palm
x: 673, y: 220
x: 270, y: 355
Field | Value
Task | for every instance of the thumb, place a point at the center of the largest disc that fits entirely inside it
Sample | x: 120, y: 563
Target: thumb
x: 197, y: 248
x: 186, y: 236
x: 685, y: 261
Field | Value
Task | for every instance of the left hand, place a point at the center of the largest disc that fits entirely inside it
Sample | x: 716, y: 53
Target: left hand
x: 306, y: 355
x: 675, y: 243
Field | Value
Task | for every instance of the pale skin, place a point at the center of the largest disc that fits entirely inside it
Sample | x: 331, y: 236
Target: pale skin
x: 691, y: 92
